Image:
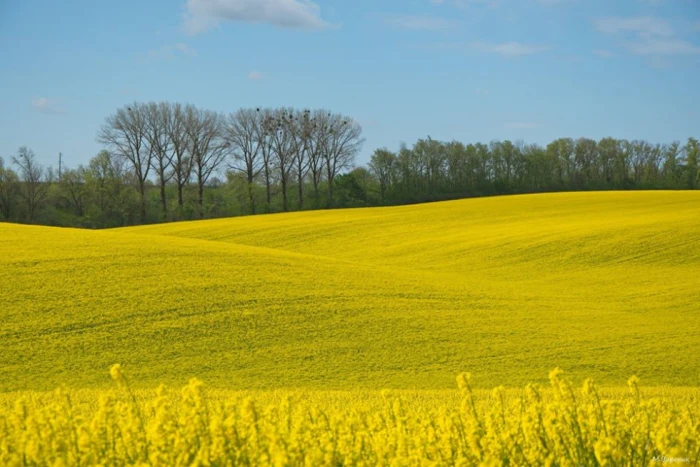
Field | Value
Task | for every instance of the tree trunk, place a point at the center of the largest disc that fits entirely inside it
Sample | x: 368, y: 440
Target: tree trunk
x: 317, y: 195
x: 251, y: 198
x: 180, y: 200
x: 284, y: 193
x: 329, y: 172
x: 267, y: 185
x: 200, y: 199
x: 330, y: 191
x: 163, y: 200
x: 301, y: 190
x: 142, y: 192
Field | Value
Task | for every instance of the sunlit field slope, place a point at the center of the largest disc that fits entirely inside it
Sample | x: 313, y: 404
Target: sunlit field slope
x: 601, y: 284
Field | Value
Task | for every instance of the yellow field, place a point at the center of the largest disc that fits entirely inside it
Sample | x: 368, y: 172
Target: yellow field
x: 604, y: 285
x: 277, y: 312
x: 560, y: 425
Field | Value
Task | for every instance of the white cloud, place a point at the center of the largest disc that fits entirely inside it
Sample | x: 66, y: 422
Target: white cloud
x: 510, y: 49
x: 255, y: 76
x: 649, y: 36
x: 421, y: 23
x: 202, y: 15
x: 659, y: 46
x: 46, y: 106
x: 185, y: 49
x: 465, y: 4
x: 643, y: 25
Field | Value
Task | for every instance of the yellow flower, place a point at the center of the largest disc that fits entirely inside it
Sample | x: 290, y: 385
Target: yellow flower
x: 116, y: 372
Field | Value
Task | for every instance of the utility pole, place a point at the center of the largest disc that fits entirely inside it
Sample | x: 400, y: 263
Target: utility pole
x: 60, y: 159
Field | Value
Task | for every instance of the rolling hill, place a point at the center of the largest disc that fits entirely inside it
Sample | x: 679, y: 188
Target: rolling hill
x: 601, y: 284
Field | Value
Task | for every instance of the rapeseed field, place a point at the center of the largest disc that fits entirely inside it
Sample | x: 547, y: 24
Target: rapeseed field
x: 604, y: 285
x: 334, y: 338
x: 557, y: 425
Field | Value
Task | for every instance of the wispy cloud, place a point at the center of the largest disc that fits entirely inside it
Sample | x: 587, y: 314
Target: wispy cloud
x: 643, y: 25
x: 47, y: 106
x: 185, y: 49
x: 255, y: 76
x: 465, y: 4
x: 202, y: 15
x: 508, y: 49
x: 646, y: 35
x: 658, y: 46
x: 421, y: 23
x: 505, y: 49
x: 168, y: 52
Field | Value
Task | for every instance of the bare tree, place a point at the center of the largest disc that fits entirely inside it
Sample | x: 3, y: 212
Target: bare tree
x: 35, y: 180
x: 265, y: 129
x: 126, y: 133
x: 301, y: 128
x: 9, y: 189
x: 176, y: 128
x: 282, y: 146
x: 341, y: 145
x: 206, y: 147
x: 242, y: 133
x: 317, y: 142
x: 158, y: 118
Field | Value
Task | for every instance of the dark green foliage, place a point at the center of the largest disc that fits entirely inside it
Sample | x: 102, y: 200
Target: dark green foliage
x: 105, y: 193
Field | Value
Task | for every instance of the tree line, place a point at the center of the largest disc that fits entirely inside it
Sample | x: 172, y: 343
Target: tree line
x: 168, y: 161
x: 179, y: 152
x: 437, y: 170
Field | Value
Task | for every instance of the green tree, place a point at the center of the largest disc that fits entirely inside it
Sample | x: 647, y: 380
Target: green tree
x: 692, y: 154
x: 9, y: 190
x: 382, y: 166
x: 74, y: 190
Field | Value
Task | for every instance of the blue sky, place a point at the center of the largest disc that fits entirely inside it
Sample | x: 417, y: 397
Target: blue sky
x: 471, y: 70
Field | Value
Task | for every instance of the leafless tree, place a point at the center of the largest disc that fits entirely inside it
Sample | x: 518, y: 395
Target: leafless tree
x: 158, y: 118
x: 206, y: 147
x: 242, y: 132
x: 301, y: 129
x: 35, y: 180
x: 264, y: 131
x: 342, y: 143
x: 176, y: 128
x: 126, y: 133
x: 316, y: 144
x: 282, y: 147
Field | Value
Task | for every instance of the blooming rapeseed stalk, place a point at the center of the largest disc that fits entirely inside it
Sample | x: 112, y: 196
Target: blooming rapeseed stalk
x: 560, y: 425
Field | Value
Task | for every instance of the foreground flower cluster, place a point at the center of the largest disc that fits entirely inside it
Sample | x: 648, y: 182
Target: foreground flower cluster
x: 553, y: 426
